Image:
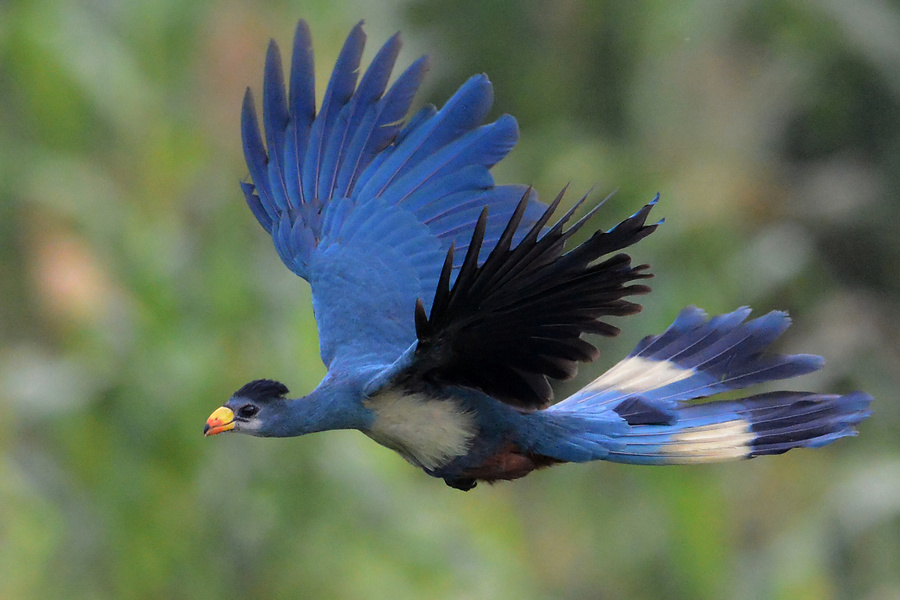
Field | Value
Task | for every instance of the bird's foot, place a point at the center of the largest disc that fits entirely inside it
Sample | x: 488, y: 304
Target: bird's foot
x: 461, y: 484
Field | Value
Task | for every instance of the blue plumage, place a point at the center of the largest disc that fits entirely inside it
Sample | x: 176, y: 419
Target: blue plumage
x: 639, y: 411
x: 446, y: 302
x: 696, y: 357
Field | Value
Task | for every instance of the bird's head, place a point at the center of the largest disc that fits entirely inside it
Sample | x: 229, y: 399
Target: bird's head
x: 255, y: 409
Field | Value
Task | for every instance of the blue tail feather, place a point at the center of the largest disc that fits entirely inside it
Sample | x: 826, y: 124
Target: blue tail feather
x: 755, y: 426
x: 636, y: 411
x: 759, y: 425
x: 690, y: 327
x: 697, y: 357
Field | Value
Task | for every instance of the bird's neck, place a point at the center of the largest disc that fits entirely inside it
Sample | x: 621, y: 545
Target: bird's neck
x: 333, y: 404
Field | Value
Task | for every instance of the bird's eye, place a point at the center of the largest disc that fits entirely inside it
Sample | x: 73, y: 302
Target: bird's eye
x: 248, y: 410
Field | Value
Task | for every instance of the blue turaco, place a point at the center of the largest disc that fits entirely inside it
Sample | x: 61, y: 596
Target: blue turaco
x: 445, y: 302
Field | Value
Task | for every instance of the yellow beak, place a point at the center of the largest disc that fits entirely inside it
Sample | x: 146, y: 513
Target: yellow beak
x: 220, y: 421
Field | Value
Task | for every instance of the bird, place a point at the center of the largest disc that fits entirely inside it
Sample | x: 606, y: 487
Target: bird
x: 446, y: 303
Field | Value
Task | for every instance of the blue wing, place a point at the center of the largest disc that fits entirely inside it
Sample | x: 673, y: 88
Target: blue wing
x: 365, y: 207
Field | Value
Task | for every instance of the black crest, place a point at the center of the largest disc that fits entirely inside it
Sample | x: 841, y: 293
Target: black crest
x: 262, y: 389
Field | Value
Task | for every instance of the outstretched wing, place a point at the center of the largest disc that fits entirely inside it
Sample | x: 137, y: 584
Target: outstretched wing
x: 507, y: 325
x: 361, y: 205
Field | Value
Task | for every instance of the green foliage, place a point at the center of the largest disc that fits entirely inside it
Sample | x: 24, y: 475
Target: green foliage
x: 137, y: 293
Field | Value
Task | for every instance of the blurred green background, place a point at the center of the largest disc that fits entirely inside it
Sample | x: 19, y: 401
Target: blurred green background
x: 138, y: 292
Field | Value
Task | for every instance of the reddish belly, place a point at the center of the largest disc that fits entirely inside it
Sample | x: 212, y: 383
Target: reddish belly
x: 509, y: 463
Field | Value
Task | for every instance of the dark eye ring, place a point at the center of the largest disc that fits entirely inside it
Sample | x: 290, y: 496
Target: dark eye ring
x: 248, y: 410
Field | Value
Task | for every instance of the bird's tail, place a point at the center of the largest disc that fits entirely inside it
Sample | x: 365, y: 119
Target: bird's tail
x: 637, y: 412
x: 731, y: 430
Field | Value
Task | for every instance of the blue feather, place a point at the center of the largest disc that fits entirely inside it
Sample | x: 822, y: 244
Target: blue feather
x: 445, y: 220
x: 367, y: 210
x: 275, y: 120
x: 502, y: 201
x: 336, y: 213
x: 356, y: 143
x: 638, y: 404
x: 302, y: 84
x: 315, y: 181
x: 424, y: 115
x: 380, y: 126
x: 256, y: 157
x: 256, y: 207
x: 483, y: 146
x: 686, y: 330
x: 695, y: 358
x: 755, y: 426
x: 302, y: 99
x: 464, y: 111
x: 361, y: 106
x: 356, y: 328
x: 438, y: 196
x: 759, y: 425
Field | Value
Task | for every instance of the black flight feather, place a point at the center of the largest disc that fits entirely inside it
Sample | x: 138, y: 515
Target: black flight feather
x: 508, y: 324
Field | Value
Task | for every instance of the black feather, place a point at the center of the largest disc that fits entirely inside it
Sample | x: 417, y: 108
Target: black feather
x: 508, y: 324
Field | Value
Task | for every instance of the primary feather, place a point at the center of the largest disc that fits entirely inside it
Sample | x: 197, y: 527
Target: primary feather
x: 445, y: 303
x: 508, y: 324
x: 355, y: 200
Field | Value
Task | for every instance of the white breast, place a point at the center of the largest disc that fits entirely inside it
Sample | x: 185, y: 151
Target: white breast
x: 428, y: 432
